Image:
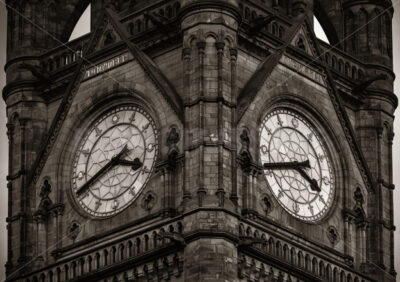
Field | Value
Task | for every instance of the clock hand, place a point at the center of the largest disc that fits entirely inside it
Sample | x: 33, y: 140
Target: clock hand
x: 297, y: 166
x: 287, y: 165
x: 135, y: 164
x: 114, y: 160
x: 313, y: 183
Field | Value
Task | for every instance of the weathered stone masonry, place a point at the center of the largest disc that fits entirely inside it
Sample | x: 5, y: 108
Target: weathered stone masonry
x: 207, y: 72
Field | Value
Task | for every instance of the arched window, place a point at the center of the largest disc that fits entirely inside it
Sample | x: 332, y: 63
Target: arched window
x: 146, y: 243
x: 66, y: 272
x: 307, y: 263
x: 315, y: 266
x: 138, y: 25
x: 74, y: 272
x: 105, y: 253
x: 281, y: 32
x: 353, y: 72
x: 97, y: 260
x: 321, y: 269
x: 138, y: 248
x: 328, y: 273
x: 81, y: 266
x: 155, y: 239
x: 327, y: 58
x: 50, y: 276
x: 169, y: 11
x: 388, y: 32
x: 349, y: 278
x: 342, y: 276
x: 362, y: 39
x: 300, y: 259
x: 347, y: 69
x: 352, y: 36
x: 89, y: 263
x: 334, y: 62
x: 131, y: 27
x: 130, y: 248
x: 121, y: 252
x: 114, y: 254
x: 177, y: 6
x: 247, y: 13
x: 335, y: 275
x: 274, y: 28
x: 340, y: 66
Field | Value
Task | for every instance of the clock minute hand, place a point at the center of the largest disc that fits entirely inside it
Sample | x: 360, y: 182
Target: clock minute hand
x: 297, y: 166
x: 287, y: 165
x: 114, y: 160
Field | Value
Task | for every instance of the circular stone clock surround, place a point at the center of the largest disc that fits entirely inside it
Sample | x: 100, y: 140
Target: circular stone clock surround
x: 297, y: 165
x: 114, y: 160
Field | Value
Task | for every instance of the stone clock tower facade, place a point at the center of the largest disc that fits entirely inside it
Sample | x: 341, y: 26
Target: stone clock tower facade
x: 187, y: 140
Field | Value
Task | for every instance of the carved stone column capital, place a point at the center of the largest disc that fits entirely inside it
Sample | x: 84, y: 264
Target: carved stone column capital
x: 220, y: 45
x: 233, y: 52
x: 186, y: 52
x: 10, y: 129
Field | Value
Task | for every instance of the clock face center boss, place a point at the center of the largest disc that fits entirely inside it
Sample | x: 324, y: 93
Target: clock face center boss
x: 296, y: 165
x: 114, y: 161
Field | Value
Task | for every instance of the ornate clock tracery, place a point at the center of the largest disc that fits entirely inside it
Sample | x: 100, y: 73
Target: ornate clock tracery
x: 114, y: 161
x: 296, y: 165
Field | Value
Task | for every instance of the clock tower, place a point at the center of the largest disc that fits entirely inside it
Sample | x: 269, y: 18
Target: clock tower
x: 196, y: 140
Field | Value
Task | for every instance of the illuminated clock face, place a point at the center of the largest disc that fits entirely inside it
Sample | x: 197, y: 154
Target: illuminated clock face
x: 114, y: 161
x: 296, y: 165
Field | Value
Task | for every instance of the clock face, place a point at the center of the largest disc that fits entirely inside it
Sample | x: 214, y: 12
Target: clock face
x: 296, y: 165
x: 114, y: 161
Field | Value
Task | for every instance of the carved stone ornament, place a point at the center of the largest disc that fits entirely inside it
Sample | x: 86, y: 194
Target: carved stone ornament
x: 109, y: 38
x: 266, y: 203
x: 244, y: 150
x: 74, y: 228
x: 300, y: 44
x: 358, y: 207
x: 45, y: 202
x: 172, y: 141
x: 358, y: 196
x: 149, y: 200
x: 333, y: 235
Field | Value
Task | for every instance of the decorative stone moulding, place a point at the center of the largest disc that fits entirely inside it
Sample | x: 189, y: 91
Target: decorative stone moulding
x: 333, y: 235
x: 149, y: 201
x: 74, y: 229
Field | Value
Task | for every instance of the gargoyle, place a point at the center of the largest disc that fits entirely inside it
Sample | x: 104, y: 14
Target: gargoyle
x: 249, y: 241
x: 360, y: 87
x: 244, y: 150
x: 172, y: 141
x: 258, y: 23
x: 173, y: 236
x: 40, y: 73
x: 160, y: 21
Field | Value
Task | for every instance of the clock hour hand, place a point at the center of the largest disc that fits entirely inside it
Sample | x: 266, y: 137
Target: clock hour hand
x: 297, y: 166
x: 114, y: 160
x: 135, y: 164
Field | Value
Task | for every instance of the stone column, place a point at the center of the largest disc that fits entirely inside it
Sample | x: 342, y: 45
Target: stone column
x: 10, y: 134
x: 210, y: 29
